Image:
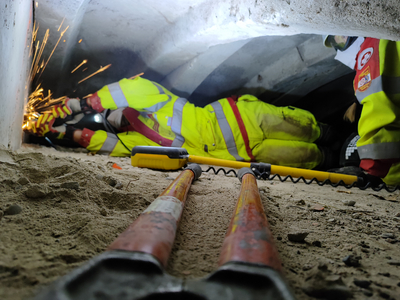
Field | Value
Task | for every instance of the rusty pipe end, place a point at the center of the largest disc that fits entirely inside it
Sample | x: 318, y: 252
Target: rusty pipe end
x: 196, y: 169
x: 244, y: 171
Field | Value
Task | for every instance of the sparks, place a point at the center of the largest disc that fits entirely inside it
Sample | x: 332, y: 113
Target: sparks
x: 140, y: 74
x: 38, y: 54
x: 38, y: 104
x: 98, y: 71
x: 51, y: 54
x: 34, y: 35
x: 80, y: 65
x: 87, y: 96
x: 61, y: 24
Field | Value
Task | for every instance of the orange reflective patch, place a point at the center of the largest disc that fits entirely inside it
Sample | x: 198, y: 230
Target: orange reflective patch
x: 364, y: 80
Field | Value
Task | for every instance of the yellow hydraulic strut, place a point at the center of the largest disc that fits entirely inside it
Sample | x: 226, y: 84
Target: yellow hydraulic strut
x: 172, y: 158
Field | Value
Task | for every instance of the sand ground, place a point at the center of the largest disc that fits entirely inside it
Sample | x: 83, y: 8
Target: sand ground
x: 59, y: 209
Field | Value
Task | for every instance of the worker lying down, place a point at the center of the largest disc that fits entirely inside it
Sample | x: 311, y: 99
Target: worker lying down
x: 143, y: 112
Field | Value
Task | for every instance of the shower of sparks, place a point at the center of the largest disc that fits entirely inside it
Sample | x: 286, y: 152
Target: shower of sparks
x: 38, y: 103
x: 38, y: 54
x: 51, y: 54
x: 98, y: 71
x: 34, y: 35
x: 80, y: 65
x: 84, y: 69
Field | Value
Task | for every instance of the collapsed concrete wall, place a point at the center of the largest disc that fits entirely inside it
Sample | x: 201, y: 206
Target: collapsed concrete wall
x: 15, y: 42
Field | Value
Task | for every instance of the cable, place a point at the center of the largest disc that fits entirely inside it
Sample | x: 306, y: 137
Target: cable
x: 267, y: 176
x: 111, y: 128
x: 50, y: 142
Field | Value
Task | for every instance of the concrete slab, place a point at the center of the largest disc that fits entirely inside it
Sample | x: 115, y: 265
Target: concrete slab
x: 16, y: 30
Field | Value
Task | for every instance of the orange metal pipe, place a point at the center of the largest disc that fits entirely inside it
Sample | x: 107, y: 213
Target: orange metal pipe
x: 249, y: 238
x: 154, y: 230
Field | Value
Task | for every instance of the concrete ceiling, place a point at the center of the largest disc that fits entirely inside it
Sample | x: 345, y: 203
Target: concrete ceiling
x: 204, y: 50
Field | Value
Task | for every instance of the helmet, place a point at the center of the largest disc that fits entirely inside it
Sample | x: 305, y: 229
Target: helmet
x: 339, y: 42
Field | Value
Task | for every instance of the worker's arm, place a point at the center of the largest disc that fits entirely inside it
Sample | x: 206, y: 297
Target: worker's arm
x: 376, y: 86
x: 102, y: 142
x: 138, y: 93
x: 378, y: 127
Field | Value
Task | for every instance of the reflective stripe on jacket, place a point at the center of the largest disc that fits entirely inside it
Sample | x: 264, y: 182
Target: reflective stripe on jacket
x: 103, y: 142
x: 393, y: 177
x: 377, y: 88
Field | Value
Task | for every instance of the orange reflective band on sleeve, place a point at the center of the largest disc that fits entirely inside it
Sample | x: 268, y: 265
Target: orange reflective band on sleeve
x: 95, y: 102
x: 86, y: 136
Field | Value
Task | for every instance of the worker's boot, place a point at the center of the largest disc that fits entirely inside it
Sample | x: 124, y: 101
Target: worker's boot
x: 329, y: 137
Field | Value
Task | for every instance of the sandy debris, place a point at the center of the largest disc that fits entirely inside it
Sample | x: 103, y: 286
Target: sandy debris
x: 59, y: 209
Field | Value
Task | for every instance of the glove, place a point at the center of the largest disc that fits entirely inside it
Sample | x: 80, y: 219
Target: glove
x: 66, y: 108
x: 44, y: 127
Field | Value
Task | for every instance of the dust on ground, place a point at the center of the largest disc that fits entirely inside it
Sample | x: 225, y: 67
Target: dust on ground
x: 59, y: 209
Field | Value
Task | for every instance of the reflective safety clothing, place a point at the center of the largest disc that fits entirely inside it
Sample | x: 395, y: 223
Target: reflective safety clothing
x: 392, y: 178
x: 377, y: 88
x: 243, y: 129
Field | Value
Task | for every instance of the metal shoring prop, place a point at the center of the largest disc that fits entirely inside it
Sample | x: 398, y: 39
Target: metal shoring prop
x: 154, y: 230
x: 248, y: 238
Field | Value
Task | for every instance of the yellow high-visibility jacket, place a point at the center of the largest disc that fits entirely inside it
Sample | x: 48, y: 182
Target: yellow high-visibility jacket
x: 377, y: 87
x: 243, y: 130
